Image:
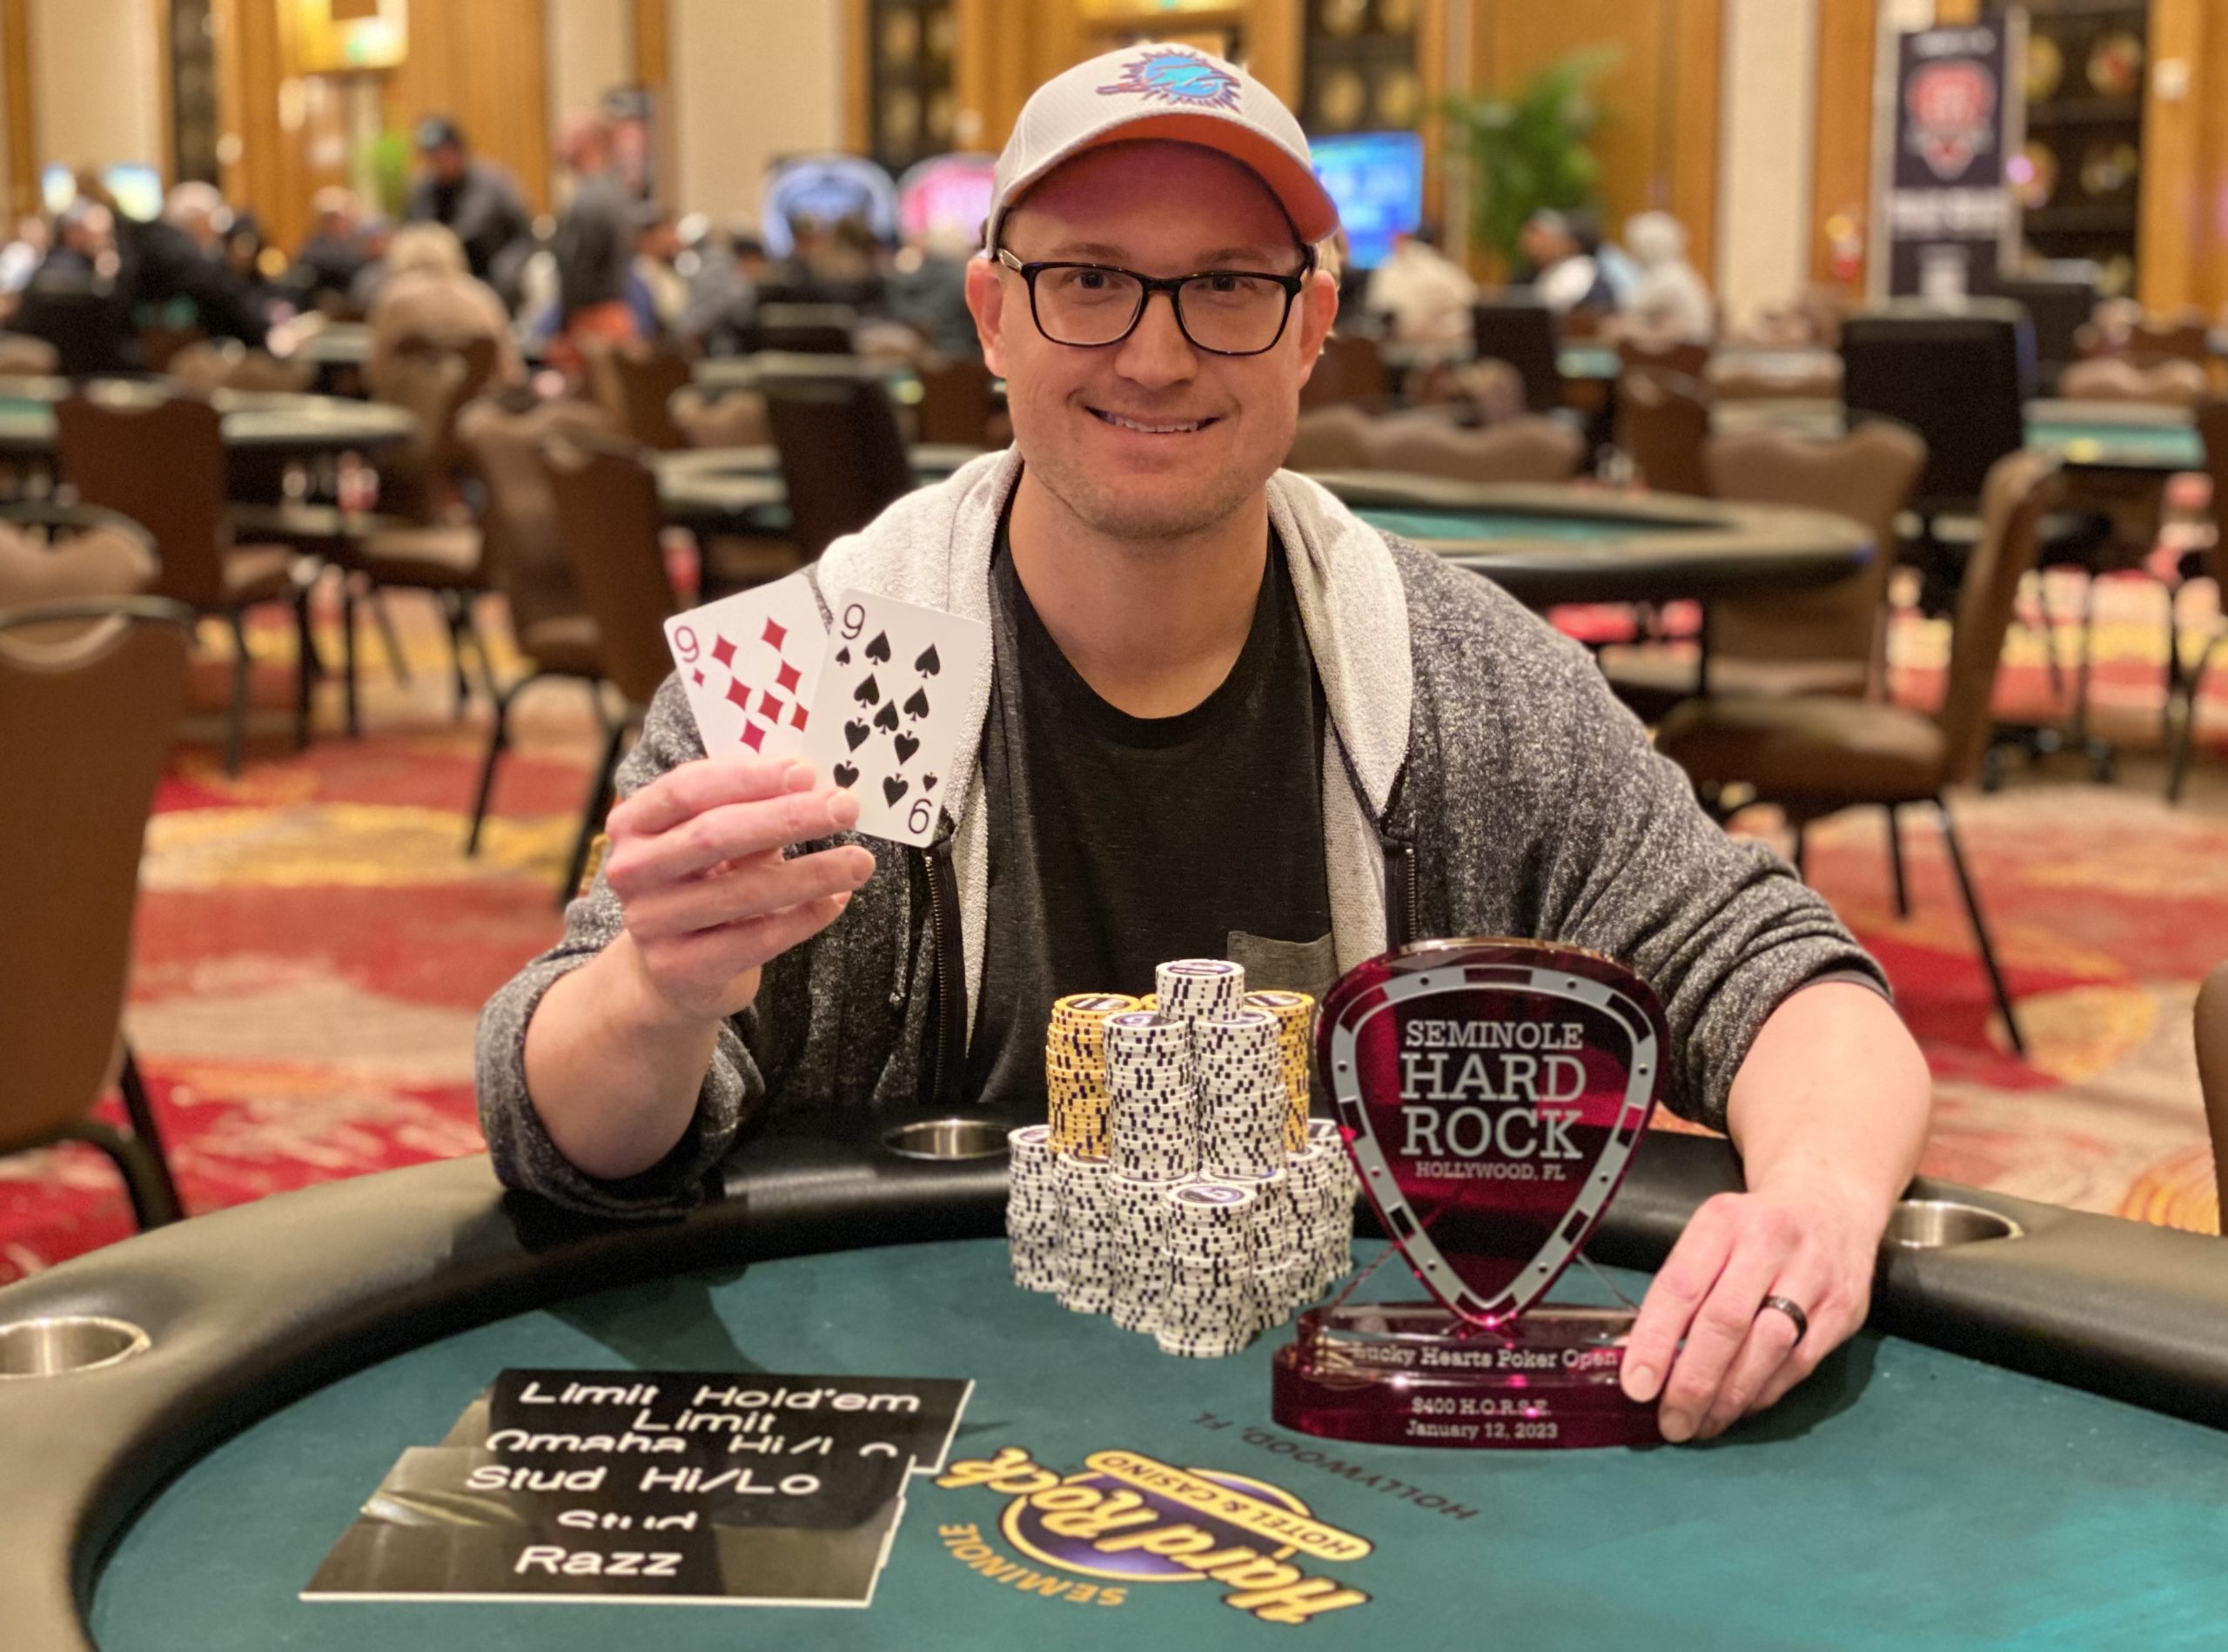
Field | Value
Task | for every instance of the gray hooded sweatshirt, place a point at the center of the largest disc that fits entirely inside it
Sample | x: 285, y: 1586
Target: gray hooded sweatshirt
x: 1478, y: 779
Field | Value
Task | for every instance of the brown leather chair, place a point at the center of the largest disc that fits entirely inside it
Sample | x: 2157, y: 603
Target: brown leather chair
x: 160, y: 461
x: 1521, y: 450
x: 525, y: 557
x: 957, y: 405
x: 24, y: 357
x: 1662, y: 421
x: 1826, y: 641
x: 210, y: 365
x: 842, y: 459
x: 1350, y: 369
x: 2186, y: 686
x: 2173, y: 383
x: 611, y: 524
x: 735, y: 419
x: 635, y: 382
x: 115, y: 686
x: 1332, y: 438
x: 1814, y: 755
x: 1682, y: 357
x: 2212, y: 1027
x: 158, y: 345
x: 72, y: 553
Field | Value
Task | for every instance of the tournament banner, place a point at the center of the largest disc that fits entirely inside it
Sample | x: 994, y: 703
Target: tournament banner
x: 1947, y: 117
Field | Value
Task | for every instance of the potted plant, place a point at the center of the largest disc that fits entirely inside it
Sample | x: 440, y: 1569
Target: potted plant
x: 1527, y: 148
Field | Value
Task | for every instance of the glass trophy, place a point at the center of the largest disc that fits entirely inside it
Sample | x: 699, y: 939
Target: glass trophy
x: 1492, y: 1094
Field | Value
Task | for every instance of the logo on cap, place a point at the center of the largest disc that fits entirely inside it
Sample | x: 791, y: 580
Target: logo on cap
x: 1177, y: 77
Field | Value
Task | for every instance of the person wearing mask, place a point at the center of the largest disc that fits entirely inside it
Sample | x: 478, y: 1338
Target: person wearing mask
x: 478, y: 200
x: 1670, y: 300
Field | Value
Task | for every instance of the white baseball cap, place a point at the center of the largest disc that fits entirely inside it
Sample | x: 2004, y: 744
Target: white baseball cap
x: 1173, y: 92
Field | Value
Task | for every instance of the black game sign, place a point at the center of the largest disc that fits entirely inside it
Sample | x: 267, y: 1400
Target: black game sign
x: 750, y: 1489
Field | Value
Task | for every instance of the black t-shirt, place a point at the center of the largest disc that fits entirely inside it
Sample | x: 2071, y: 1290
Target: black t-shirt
x: 1118, y: 842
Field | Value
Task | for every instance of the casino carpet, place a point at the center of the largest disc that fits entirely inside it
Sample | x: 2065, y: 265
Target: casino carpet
x: 312, y: 946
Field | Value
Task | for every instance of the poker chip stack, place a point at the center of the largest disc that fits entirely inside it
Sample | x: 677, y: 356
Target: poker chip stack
x: 1180, y: 1187
x: 1295, y: 1014
x: 1075, y: 1070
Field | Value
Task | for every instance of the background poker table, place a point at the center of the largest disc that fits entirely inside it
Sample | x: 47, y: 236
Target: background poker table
x: 2141, y: 439
x: 275, y: 423
x: 1564, y: 544
x: 739, y: 490
x: 2024, y: 1447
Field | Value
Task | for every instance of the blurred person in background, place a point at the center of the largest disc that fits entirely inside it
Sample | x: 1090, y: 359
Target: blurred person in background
x: 656, y: 292
x: 477, y: 199
x: 1423, y: 295
x: 927, y: 290
x: 430, y: 293
x: 594, y: 244
x: 1559, y: 269
x: 722, y: 304
x: 376, y: 236
x: 256, y: 271
x: 334, y: 255
x: 20, y: 259
x: 1670, y: 300
x: 175, y: 270
x: 76, y: 300
x: 1616, y: 264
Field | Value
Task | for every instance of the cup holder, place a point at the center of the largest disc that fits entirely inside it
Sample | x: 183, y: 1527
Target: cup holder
x: 1937, y: 1224
x: 948, y: 1140
x: 60, y: 1347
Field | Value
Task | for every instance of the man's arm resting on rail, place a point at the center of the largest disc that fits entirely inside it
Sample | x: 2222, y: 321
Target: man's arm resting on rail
x: 1829, y: 1112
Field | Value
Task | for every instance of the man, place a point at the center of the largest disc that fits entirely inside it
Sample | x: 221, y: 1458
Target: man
x: 175, y: 272
x: 1564, y: 275
x: 1222, y: 714
x: 594, y: 245
x: 333, y: 256
x: 477, y: 199
x: 1425, y: 295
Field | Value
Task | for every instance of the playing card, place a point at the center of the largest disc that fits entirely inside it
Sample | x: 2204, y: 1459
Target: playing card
x: 894, y: 678
x: 747, y: 664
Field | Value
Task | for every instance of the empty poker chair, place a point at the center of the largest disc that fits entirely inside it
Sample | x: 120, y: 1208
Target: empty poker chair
x: 635, y: 382
x: 1522, y: 333
x: 1662, y: 421
x: 1682, y: 356
x: 610, y: 523
x: 1332, y: 438
x: 527, y: 559
x: 1350, y: 369
x: 23, y: 356
x: 956, y: 404
x: 1815, y: 754
x: 112, y: 682
x: 2212, y: 1029
x: 842, y: 459
x: 209, y: 364
x: 2167, y: 384
x: 160, y: 461
x: 72, y: 553
x: 1520, y: 450
x: 806, y: 329
x: 2059, y: 306
x: 1824, y: 642
x: 731, y: 418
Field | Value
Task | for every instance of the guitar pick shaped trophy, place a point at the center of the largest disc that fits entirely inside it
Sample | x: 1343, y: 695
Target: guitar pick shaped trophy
x: 1493, y: 1094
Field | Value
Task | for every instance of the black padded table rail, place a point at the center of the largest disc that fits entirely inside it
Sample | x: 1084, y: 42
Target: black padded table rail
x: 249, y: 1308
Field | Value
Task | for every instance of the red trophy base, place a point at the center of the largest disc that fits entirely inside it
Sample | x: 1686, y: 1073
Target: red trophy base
x: 1412, y: 1374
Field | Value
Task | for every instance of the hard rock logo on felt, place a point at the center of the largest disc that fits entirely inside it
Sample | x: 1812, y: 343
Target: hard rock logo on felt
x: 1127, y: 1520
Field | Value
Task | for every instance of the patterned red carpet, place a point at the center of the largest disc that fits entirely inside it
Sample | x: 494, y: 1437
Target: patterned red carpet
x: 313, y: 946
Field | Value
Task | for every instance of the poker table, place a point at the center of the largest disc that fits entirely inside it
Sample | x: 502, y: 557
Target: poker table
x: 2024, y: 1446
x: 747, y: 373
x: 274, y: 424
x: 1547, y: 545
x: 2139, y: 441
x: 739, y: 490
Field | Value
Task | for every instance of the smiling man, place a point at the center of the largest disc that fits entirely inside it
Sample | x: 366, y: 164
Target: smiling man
x: 1222, y: 717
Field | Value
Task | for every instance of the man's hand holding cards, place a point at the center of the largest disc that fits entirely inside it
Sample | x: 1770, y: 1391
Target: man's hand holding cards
x: 871, y: 703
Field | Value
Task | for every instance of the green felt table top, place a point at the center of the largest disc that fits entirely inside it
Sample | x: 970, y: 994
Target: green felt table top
x: 1904, y: 1498
x: 2140, y: 447
x: 1496, y: 525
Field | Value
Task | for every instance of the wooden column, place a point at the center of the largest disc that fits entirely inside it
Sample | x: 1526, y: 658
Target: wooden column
x: 1841, y: 167
x: 22, y: 123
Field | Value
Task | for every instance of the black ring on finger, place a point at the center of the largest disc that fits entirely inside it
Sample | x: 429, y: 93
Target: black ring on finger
x: 1794, y: 1311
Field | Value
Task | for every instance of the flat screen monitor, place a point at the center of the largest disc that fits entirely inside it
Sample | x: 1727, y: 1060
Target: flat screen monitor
x: 1377, y: 179
x: 826, y: 189
x: 138, y: 190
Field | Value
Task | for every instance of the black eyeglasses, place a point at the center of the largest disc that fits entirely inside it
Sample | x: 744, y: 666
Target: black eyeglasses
x: 1225, y: 312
